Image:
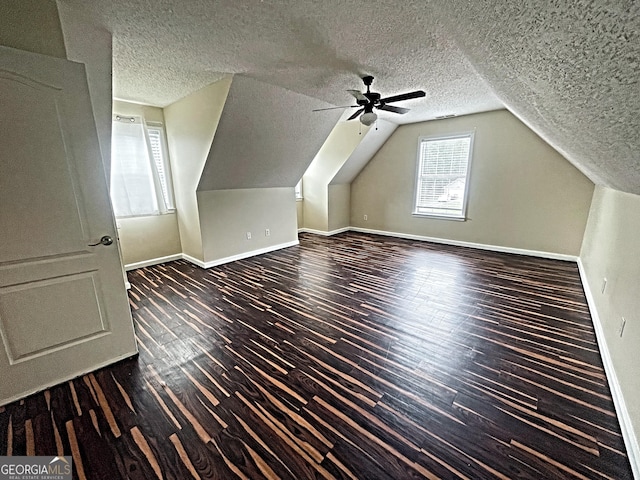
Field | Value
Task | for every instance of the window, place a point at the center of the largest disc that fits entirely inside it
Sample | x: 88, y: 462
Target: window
x: 299, y: 190
x: 157, y: 146
x: 442, y: 177
x: 140, y: 174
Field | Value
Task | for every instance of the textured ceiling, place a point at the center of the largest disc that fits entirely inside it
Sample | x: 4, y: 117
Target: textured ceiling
x: 569, y: 70
x: 164, y: 50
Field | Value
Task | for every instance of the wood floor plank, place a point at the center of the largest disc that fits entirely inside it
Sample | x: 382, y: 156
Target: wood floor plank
x: 354, y: 356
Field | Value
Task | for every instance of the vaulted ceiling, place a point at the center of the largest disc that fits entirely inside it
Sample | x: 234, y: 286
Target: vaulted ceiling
x: 569, y: 70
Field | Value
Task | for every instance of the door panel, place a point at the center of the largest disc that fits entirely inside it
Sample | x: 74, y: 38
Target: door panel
x: 43, y: 308
x: 50, y: 200
x: 63, y: 305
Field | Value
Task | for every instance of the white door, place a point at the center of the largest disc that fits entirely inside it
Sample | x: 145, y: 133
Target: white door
x: 63, y: 304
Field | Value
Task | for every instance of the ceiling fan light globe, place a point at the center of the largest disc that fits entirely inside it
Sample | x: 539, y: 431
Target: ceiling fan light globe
x: 368, y: 118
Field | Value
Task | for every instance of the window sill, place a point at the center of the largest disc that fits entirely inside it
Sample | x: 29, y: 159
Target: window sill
x: 439, y: 217
x: 169, y: 212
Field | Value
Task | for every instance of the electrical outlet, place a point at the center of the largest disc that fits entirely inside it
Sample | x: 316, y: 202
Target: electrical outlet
x: 267, y: 232
x: 365, y: 218
x: 248, y: 235
x: 623, y: 322
x: 604, y: 284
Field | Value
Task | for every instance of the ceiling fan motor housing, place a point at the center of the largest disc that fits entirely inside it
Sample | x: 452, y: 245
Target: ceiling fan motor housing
x: 368, y: 80
x: 372, y: 96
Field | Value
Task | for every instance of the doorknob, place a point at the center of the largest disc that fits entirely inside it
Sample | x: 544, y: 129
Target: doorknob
x: 106, y: 240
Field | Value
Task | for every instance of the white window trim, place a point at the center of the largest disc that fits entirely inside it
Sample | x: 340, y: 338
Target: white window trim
x: 442, y: 216
x: 300, y: 197
x: 163, y: 208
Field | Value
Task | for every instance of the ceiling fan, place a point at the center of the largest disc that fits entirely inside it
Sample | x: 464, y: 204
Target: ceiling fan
x: 367, y: 101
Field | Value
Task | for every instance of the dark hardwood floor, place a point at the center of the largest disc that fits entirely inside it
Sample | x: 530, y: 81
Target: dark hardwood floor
x: 353, y: 356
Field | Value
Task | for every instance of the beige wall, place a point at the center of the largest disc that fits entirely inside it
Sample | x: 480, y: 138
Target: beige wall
x: 191, y: 124
x: 300, y: 212
x: 149, y: 113
x: 522, y: 193
x: 227, y: 215
x: 89, y: 43
x: 339, y: 201
x: 611, y: 250
x: 315, y: 205
x: 32, y: 25
x: 335, y: 151
x: 149, y: 237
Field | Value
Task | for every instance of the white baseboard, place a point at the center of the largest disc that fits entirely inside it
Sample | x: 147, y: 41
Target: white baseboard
x: 323, y: 233
x: 193, y: 260
x: 458, y: 243
x: 628, y: 433
x: 152, y: 261
x: 213, y: 263
x: 252, y: 253
x: 409, y: 236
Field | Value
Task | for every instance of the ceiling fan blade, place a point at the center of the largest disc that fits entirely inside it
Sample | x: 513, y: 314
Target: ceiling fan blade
x: 403, y: 96
x: 391, y: 108
x: 333, y: 108
x: 355, y: 115
x: 359, y: 95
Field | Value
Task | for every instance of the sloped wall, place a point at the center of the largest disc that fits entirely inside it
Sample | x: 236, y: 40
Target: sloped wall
x: 191, y: 124
x: 333, y: 154
x: 33, y: 26
x: 89, y: 43
x: 364, y: 152
x: 522, y: 193
x: 267, y: 137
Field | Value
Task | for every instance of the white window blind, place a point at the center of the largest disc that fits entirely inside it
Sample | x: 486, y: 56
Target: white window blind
x: 443, y: 168
x: 140, y: 177
x: 158, y: 153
